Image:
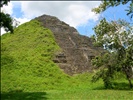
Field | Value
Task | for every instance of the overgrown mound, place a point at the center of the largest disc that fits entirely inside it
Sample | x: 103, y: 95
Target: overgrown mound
x: 26, y: 59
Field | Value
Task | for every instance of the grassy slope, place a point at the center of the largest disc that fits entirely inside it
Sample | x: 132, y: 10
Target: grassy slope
x: 27, y: 71
x: 26, y: 59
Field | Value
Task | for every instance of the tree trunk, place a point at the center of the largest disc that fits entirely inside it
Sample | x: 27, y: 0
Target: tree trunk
x: 128, y: 72
x: 130, y: 83
x: 129, y: 80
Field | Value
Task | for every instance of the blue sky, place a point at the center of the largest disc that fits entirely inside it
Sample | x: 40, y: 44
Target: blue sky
x: 17, y: 11
x: 77, y: 14
x: 112, y: 13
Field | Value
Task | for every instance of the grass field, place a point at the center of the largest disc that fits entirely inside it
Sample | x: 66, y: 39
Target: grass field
x: 28, y: 72
x: 78, y: 88
x: 91, y: 95
x: 70, y: 95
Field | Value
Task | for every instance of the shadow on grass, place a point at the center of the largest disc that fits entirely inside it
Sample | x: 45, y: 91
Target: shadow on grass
x: 24, y: 96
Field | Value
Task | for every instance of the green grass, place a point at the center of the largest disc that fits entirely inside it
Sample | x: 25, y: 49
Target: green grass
x: 70, y: 95
x: 28, y: 72
x: 90, y: 95
x: 26, y: 59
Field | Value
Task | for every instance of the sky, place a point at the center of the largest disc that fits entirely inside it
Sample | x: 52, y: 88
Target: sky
x: 75, y: 13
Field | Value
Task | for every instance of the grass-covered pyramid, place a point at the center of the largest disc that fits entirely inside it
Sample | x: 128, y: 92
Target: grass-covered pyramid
x: 26, y: 59
x: 27, y: 62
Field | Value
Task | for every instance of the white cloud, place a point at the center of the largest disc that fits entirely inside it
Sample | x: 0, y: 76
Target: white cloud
x: 2, y: 31
x: 22, y: 20
x: 7, y: 8
x: 74, y: 13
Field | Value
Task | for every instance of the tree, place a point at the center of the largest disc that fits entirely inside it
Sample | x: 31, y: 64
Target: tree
x: 117, y: 38
x: 4, y: 2
x: 6, y: 21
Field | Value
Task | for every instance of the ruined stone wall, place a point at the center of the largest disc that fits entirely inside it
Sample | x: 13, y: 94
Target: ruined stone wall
x: 77, y: 50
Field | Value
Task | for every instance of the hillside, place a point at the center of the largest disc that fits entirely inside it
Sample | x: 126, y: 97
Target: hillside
x: 26, y: 59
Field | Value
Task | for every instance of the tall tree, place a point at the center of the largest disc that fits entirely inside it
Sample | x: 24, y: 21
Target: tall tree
x: 117, y: 38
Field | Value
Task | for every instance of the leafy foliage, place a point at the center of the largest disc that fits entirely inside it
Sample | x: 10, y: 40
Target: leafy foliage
x: 130, y: 10
x: 4, y: 2
x: 6, y: 21
x: 117, y: 38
